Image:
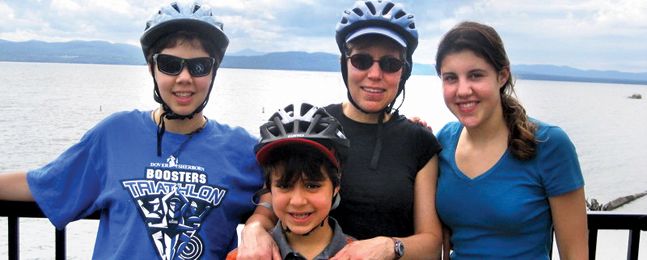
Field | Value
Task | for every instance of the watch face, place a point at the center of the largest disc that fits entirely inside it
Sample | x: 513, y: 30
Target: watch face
x: 399, y: 248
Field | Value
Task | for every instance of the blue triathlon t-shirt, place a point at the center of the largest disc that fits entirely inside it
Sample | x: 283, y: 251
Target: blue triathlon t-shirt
x: 185, y: 204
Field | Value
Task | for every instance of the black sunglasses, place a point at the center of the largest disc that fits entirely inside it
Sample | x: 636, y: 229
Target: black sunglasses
x: 388, y: 64
x: 171, y: 65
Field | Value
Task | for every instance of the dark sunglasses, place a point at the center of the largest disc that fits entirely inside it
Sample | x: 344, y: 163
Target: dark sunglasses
x: 387, y: 64
x: 171, y: 65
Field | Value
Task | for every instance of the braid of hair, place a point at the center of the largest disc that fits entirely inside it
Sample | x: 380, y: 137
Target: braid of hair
x: 521, y: 139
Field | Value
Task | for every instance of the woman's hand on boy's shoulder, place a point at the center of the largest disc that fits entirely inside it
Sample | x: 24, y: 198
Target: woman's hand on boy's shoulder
x: 257, y: 243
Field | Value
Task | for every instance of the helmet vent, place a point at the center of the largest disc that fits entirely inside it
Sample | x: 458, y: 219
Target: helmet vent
x: 387, y: 8
x: 371, y: 7
x: 174, y: 5
x: 412, y: 25
x: 305, y: 108
x: 400, y: 14
x: 302, y: 124
x: 273, y: 130
x: 321, y: 127
x: 196, y: 8
x: 358, y: 12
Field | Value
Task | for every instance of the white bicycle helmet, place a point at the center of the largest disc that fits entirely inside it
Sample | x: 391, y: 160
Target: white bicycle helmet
x: 185, y: 16
x: 378, y: 17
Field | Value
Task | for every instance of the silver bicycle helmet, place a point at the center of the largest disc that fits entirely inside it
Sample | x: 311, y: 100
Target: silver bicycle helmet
x: 185, y: 16
x: 303, y: 124
x: 378, y: 17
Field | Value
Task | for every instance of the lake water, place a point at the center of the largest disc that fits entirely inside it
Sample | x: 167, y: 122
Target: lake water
x: 45, y: 108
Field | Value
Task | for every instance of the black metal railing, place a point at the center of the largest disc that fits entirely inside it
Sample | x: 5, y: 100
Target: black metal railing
x: 635, y: 223
x: 14, y: 210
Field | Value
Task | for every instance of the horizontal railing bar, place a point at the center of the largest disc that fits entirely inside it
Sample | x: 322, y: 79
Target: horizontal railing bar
x: 596, y: 221
x: 617, y: 221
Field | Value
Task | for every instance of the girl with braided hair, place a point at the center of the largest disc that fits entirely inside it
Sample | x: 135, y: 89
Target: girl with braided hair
x: 505, y: 179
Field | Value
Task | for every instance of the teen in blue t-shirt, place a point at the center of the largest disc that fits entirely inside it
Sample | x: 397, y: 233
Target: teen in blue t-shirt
x: 505, y: 180
x: 169, y: 183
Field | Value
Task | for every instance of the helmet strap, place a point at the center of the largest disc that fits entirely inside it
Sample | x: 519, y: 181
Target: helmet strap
x: 257, y: 196
x: 168, y: 113
x: 335, y: 204
x: 336, y: 201
x: 378, y: 143
x: 161, y: 129
x: 287, y: 229
x: 387, y: 109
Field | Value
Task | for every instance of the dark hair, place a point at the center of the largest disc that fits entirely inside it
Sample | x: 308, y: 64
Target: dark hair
x: 299, y: 161
x: 486, y: 43
x: 179, y: 37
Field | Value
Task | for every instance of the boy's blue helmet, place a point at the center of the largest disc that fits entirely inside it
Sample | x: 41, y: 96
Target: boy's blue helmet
x: 303, y: 125
x: 185, y: 16
x: 378, y: 17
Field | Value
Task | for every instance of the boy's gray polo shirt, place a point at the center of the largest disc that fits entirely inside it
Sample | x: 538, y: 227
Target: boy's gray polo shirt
x: 339, y: 240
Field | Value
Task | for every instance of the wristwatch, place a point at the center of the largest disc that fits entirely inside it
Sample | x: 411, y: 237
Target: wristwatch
x: 399, y: 248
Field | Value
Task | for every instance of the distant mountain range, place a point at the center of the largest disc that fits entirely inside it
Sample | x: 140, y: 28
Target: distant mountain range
x: 97, y: 52
x: 100, y: 52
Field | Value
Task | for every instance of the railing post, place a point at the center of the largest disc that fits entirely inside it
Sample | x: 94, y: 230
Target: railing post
x: 60, y: 244
x: 634, y: 243
x: 14, y: 247
x: 593, y: 242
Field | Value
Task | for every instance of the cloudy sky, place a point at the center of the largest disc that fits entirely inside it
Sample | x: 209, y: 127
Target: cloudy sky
x: 585, y: 34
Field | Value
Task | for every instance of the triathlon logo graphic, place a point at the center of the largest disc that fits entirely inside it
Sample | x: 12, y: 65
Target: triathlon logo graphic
x: 173, y: 200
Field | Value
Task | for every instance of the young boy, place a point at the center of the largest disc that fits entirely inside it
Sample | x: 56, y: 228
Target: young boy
x: 302, y: 150
x: 169, y: 183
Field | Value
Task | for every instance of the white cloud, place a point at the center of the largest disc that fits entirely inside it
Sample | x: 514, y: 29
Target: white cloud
x: 7, y: 12
x: 235, y: 5
x: 624, y: 15
x: 578, y: 33
x: 583, y: 34
x: 121, y: 7
x: 556, y: 18
x: 65, y: 6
